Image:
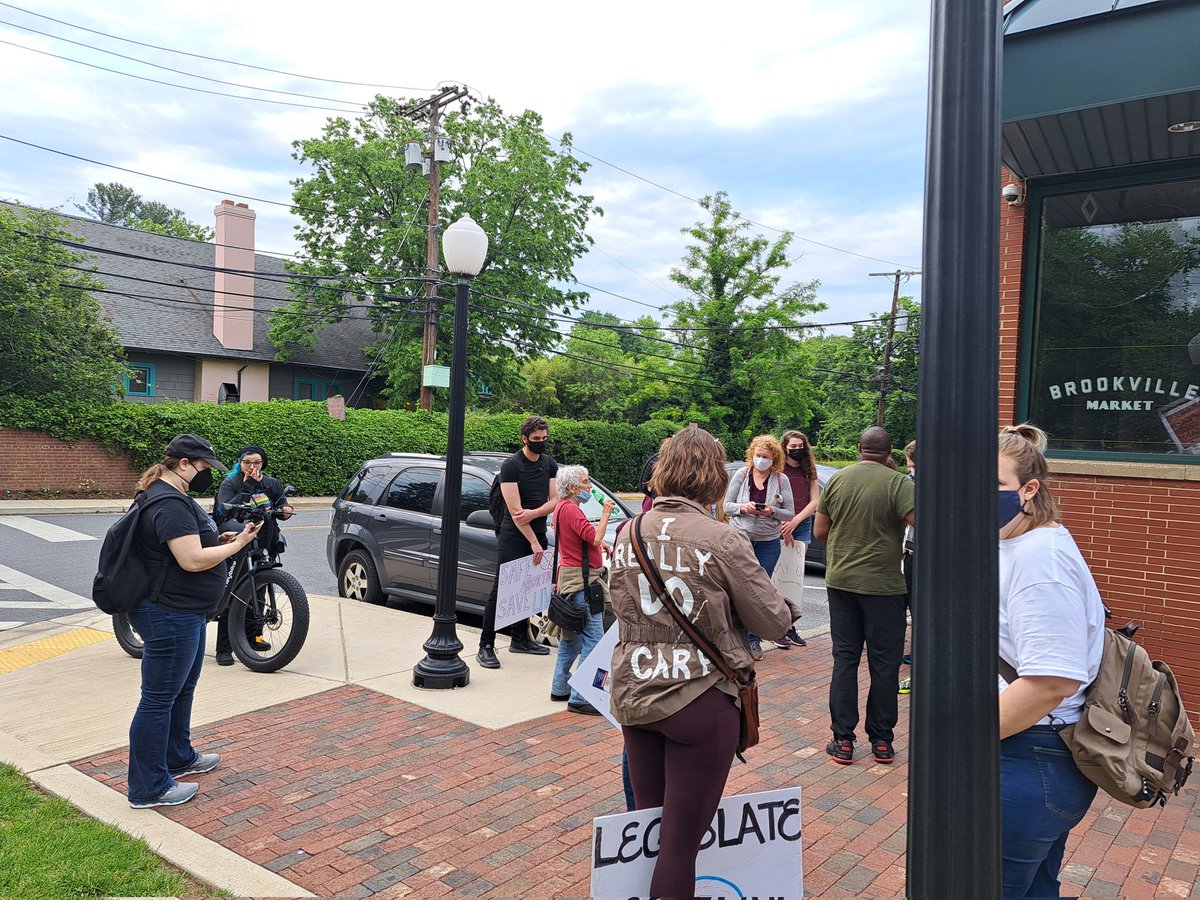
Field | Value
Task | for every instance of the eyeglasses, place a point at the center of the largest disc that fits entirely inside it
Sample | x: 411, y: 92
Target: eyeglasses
x: 251, y: 463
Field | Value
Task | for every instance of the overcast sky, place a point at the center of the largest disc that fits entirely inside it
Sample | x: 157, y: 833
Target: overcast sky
x: 810, y: 115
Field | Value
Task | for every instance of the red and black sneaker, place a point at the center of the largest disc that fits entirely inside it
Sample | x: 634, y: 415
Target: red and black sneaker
x: 884, y: 754
x: 841, y: 750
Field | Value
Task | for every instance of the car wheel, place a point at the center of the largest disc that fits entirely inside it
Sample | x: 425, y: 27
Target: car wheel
x: 358, y: 579
x: 537, y: 630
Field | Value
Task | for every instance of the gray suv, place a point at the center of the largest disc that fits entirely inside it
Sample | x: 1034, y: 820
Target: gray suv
x: 386, y: 525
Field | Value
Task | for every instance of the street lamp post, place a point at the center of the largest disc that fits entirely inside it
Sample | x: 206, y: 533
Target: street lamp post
x: 464, y: 245
x: 954, y: 767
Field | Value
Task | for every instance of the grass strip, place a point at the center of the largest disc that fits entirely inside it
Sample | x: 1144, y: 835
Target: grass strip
x: 51, y: 851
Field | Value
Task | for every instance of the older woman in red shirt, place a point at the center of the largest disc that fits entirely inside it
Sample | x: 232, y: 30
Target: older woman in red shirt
x: 573, y: 536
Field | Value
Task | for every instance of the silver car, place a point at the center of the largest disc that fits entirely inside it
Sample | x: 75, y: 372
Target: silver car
x: 385, y: 529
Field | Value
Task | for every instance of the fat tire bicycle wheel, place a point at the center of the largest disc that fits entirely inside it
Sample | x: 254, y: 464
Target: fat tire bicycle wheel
x: 280, y: 615
x: 127, y: 636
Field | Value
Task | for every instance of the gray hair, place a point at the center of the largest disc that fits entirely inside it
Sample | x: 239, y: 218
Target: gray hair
x: 570, y: 477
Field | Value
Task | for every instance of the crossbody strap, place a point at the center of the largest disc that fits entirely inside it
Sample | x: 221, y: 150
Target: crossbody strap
x: 668, y: 602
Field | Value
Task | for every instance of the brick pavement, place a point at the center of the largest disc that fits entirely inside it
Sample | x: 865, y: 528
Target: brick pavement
x: 351, y: 794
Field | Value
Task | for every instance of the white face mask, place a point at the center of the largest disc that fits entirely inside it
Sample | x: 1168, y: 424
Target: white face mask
x: 763, y: 463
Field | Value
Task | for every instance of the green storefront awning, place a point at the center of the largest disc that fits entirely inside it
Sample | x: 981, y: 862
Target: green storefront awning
x: 1093, y: 84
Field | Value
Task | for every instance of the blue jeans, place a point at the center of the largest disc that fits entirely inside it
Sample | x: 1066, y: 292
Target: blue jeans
x: 767, y: 554
x: 160, y: 737
x: 803, y: 532
x: 1042, y: 797
x: 577, y: 646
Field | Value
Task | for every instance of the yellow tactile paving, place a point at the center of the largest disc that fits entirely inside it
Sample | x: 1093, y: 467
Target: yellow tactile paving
x: 23, y: 655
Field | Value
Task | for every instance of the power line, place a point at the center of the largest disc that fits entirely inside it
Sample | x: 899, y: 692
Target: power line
x: 182, y: 87
x: 186, y: 74
x: 229, y: 62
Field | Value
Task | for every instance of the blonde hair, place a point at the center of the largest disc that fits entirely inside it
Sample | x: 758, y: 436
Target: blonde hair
x: 766, y: 442
x: 692, y: 465
x: 155, y: 472
x: 1025, y: 445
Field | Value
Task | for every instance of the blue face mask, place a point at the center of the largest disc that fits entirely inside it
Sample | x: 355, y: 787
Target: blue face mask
x: 1010, y: 506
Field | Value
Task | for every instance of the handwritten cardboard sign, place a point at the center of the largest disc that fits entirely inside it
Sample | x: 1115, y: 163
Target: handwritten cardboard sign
x: 752, y: 849
x: 524, y: 589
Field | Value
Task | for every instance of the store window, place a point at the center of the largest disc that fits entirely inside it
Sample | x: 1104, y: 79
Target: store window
x: 1114, y: 335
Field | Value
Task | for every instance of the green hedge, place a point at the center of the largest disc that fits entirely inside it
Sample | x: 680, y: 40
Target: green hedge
x: 318, y: 453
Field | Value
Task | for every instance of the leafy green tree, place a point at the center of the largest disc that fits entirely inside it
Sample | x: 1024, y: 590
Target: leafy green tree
x: 750, y: 373
x: 54, y: 338
x: 848, y: 370
x: 118, y: 204
x: 363, y: 225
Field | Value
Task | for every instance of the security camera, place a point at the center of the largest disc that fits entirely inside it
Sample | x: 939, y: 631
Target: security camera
x: 1013, y: 194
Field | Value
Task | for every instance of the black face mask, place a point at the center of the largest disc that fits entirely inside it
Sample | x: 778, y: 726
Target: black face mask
x: 202, y: 481
x: 799, y: 453
x: 536, y: 447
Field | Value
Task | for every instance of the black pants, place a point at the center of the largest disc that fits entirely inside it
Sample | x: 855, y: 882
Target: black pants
x: 512, y: 545
x: 876, y: 622
x: 265, y: 540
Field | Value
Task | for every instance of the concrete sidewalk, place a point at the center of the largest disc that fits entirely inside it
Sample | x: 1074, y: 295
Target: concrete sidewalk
x: 340, y: 779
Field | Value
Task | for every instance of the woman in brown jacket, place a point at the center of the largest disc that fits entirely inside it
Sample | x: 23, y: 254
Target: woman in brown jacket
x: 678, y: 713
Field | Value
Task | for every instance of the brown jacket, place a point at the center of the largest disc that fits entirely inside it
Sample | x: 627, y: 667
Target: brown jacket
x: 711, y: 572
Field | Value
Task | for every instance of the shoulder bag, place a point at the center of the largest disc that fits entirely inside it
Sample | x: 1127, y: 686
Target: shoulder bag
x: 562, y: 611
x: 747, y: 690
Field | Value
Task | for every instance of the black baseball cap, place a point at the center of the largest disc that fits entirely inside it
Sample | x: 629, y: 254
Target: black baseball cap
x: 193, y: 447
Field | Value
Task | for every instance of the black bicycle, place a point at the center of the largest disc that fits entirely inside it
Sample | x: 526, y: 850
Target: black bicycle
x: 260, y: 597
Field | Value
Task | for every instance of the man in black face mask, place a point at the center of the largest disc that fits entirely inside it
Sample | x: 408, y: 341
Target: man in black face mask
x: 241, y: 485
x: 528, y: 484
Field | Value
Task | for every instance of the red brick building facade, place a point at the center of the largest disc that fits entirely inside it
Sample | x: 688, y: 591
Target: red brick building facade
x: 1100, y: 291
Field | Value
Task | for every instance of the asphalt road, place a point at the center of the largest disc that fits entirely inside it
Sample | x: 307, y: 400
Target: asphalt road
x: 47, y: 564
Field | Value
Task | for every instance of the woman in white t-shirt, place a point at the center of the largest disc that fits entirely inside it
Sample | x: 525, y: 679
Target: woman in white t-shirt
x: 1052, y: 634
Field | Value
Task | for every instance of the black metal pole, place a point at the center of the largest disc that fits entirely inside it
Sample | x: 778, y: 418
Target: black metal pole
x: 442, y: 667
x: 954, y: 795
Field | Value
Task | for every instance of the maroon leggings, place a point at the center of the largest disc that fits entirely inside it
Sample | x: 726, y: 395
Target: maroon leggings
x: 681, y: 763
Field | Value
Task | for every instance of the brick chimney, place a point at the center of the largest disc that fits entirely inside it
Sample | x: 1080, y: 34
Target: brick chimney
x: 233, y: 294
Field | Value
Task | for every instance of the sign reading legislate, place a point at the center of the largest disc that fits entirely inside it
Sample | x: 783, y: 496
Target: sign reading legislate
x: 752, y: 849
x: 524, y: 589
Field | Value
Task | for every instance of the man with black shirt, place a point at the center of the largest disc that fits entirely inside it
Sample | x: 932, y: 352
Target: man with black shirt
x: 527, y: 484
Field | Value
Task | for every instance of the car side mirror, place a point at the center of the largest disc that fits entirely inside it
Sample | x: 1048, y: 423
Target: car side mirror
x: 481, y: 518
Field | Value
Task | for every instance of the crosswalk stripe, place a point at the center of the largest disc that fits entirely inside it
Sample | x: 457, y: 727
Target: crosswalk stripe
x: 61, y: 596
x: 44, y: 530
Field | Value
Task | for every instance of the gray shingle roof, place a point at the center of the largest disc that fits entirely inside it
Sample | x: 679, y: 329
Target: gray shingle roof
x: 176, y: 316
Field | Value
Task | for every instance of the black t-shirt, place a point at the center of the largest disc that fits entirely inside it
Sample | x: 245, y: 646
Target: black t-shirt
x: 239, y: 489
x: 193, y: 592
x: 533, y: 484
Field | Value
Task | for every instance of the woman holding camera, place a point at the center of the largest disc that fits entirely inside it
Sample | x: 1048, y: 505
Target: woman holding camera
x: 574, y: 535
x: 758, y: 501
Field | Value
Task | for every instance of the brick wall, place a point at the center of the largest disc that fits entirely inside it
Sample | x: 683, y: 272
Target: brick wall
x: 32, y: 460
x: 1012, y: 245
x: 1139, y: 536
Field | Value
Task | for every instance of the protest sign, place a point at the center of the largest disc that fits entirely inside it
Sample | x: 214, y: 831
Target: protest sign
x: 752, y: 849
x: 524, y: 589
x: 789, y: 572
x: 591, y: 677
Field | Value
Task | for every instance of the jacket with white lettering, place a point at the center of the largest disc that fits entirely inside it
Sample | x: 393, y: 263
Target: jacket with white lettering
x: 711, y: 572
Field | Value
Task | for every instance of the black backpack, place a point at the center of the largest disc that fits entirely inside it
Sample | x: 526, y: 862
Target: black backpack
x: 496, y: 504
x: 122, y: 582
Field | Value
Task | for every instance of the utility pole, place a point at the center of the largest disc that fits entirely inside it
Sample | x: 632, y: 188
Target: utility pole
x: 885, y: 381
x: 434, y: 104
